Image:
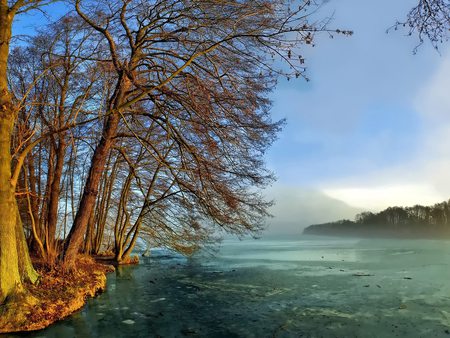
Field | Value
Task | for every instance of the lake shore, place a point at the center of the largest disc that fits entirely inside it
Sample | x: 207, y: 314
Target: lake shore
x: 57, y: 295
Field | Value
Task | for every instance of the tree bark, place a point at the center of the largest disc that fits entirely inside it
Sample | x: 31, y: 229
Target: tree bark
x: 33, y: 200
x: 89, y: 234
x: 9, y: 260
x: 105, y: 206
x: 53, y: 203
x: 87, y: 203
x: 15, y: 263
x: 75, y: 238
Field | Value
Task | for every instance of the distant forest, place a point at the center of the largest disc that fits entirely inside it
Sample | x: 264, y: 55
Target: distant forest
x: 416, y: 221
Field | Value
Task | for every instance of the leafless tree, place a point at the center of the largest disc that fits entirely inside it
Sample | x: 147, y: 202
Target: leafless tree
x: 201, y: 72
x: 430, y: 20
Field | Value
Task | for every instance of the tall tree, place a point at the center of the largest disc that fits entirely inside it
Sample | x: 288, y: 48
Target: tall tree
x: 197, y: 69
x: 15, y: 263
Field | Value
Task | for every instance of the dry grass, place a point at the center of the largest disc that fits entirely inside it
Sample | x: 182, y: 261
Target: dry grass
x: 57, y: 295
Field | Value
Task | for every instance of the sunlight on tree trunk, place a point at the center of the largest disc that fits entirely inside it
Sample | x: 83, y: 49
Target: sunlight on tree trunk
x: 87, y: 203
x: 9, y: 260
x: 15, y: 263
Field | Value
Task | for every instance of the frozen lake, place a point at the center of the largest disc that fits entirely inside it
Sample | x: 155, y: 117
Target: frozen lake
x: 310, y: 287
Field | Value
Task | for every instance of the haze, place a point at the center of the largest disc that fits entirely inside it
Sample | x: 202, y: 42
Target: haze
x: 371, y: 128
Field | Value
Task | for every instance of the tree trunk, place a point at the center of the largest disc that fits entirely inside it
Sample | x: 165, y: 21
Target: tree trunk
x: 15, y: 263
x: 90, y: 192
x: 53, y: 203
x: 9, y: 259
x: 105, y: 206
x: 45, y: 203
x: 87, y: 203
x: 33, y: 200
x: 89, y: 234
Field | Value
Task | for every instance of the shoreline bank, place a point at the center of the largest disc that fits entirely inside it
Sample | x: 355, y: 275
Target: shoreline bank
x: 56, y: 296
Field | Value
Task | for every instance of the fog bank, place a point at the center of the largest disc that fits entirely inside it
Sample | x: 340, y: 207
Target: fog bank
x: 296, y: 208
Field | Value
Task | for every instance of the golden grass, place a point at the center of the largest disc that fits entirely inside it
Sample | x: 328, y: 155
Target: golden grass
x: 57, y: 295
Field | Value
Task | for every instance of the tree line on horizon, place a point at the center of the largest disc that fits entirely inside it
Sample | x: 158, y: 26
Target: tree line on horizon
x: 416, y: 220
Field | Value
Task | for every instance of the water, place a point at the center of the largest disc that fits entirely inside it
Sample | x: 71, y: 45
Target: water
x: 311, y: 287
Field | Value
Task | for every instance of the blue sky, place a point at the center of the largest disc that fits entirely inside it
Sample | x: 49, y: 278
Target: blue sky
x: 372, y: 127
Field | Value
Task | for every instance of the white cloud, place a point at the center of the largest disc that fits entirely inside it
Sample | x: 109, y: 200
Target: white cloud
x: 425, y: 177
x: 433, y: 100
x: 381, y: 197
x: 372, y: 128
x: 433, y: 103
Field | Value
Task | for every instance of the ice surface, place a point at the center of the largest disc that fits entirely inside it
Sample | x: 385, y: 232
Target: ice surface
x: 313, y: 287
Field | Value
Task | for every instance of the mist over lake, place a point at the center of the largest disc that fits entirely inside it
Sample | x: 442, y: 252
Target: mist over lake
x: 308, y: 286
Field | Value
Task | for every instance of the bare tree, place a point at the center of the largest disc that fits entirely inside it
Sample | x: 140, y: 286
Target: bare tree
x: 62, y: 83
x: 178, y: 111
x: 15, y: 263
x: 430, y: 20
x: 201, y: 71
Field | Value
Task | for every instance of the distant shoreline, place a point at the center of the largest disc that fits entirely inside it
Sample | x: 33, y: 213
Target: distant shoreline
x: 406, y: 231
x: 394, y: 222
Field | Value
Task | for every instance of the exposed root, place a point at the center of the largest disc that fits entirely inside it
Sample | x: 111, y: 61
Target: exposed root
x: 110, y: 259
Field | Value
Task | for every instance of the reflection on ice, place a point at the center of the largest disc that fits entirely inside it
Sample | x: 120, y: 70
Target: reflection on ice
x: 403, y: 253
x: 296, y: 255
x: 281, y: 254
